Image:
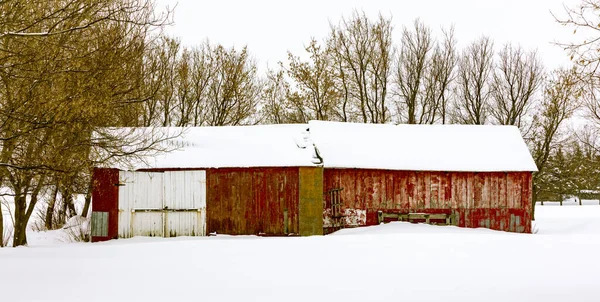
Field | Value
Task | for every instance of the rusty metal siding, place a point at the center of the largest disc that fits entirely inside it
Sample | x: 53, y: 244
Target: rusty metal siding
x: 250, y: 201
x: 105, y: 199
x: 500, y: 201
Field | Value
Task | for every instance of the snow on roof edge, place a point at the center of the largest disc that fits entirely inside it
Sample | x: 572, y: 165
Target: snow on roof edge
x: 404, y: 147
x: 441, y: 148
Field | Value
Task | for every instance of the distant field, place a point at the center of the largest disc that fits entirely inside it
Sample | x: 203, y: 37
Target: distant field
x: 571, y: 202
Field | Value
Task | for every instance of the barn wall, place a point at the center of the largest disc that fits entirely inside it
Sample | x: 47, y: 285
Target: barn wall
x: 105, y: 200
x: 500, y: 201
x: 311, y: 201
x: 250, y: 201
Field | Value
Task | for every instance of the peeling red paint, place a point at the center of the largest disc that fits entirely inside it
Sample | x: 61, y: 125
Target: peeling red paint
x: 499, y: 201
x: 265, y: 201
x: 251, y: 201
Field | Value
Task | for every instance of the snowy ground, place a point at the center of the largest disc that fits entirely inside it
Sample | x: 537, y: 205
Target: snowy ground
x: 393, y: 262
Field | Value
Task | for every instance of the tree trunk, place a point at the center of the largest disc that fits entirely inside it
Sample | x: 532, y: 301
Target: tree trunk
x: 20, y: 228
x: 62, y: 213
x: 34, y: 198
x: 23, y: 212
x: 533, y: 201
x: 71, y: 205
x: 88, y: 199
x: 50, y: 209
x: 579, y: 201
x: 1, y: 227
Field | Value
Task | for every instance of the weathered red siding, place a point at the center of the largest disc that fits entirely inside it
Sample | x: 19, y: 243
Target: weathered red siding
x: 250, y: 201
x: 105, y: 198
x: 500, y: 201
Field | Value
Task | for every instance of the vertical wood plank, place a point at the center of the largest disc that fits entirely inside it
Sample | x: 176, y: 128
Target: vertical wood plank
x: 510, y: 191
x: 454, y: 180
x: 446, y: 190
x: 427, y: 190
x: 401, y: 186
x: 470, y: 179
x: 389, y: 190
x: 478, y: 184
x: 436, y: 191
x: 485, y: 190
x: 411, y: 189
x: 378, y: 187
x: 518, y: 183
x: 462, y: 191
x: 368, y: 188
x: 422, y: 191
x: 502, y: 192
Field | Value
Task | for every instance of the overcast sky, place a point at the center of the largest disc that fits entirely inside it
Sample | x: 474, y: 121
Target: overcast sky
x: 271, y: 28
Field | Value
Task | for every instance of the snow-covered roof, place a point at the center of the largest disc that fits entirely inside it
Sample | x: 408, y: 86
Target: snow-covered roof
x: 474, y: 148
x: 349, y: 145
x: 234, y: 147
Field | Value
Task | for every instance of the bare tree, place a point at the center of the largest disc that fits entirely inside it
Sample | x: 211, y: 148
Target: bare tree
x: 204, y: 85
x: 69, y: 67
x: 51, y: 18
x: 473, y: 91
x: 585, y: 53
x: 167, y: 95
x: 233, y: 93
x: 440, y: 76
x: 517, y: 77
x: 584, y: 20
x: 153, y: 82
x: 411, y: 71
x: 315, y: 96
x: 276, y: 107
x: 201, y: 74
x: 424, y: 73
x: 562, y: 96
x: 362, y: 54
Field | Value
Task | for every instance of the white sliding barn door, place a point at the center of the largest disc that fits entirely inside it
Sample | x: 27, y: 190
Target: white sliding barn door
x: 185, y: 202
x: 162, y: 204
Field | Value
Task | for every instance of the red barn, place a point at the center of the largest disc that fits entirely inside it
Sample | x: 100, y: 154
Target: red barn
x: 310, y: 179
x: 465, y: 175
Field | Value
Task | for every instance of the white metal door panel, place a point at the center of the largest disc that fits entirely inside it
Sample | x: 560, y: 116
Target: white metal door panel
x: 126, y: 198
x: 140, y: 204
x: 147, y: 219
x: 185, y: 199
x: 162, y: 204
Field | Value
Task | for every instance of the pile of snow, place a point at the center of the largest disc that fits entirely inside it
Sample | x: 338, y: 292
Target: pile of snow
x: 77, y: 229
x: 567, y: 220
x: 382, y: 263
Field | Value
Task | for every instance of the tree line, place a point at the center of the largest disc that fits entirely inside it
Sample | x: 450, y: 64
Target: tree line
x: 70, y: 69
